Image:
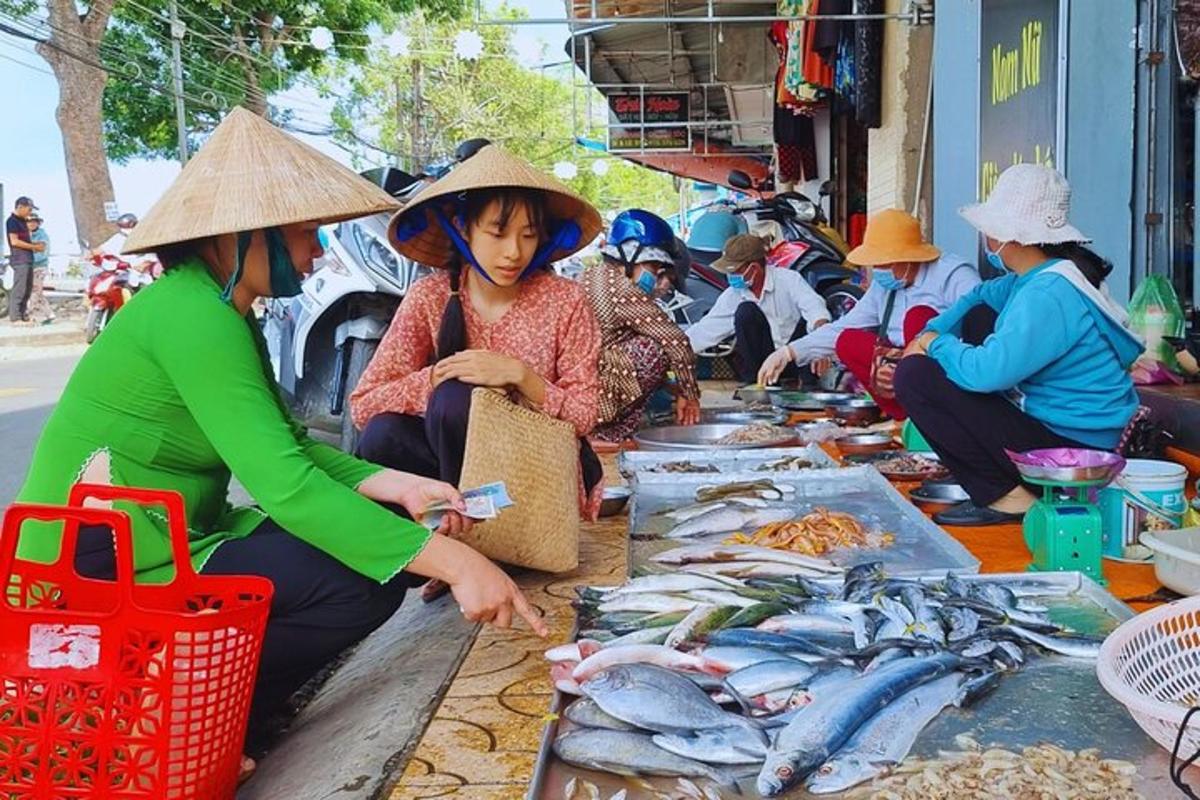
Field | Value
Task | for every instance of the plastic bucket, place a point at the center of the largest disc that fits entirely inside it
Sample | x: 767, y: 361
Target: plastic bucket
x: 1147, y: 496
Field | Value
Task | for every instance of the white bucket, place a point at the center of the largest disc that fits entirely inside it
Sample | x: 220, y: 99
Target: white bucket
x: 1148, y: 495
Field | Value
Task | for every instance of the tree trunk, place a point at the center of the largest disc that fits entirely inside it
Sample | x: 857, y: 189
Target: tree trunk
x: 72, y: 52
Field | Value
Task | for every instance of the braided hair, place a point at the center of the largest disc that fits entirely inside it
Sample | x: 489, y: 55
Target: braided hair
x: 452, y: 334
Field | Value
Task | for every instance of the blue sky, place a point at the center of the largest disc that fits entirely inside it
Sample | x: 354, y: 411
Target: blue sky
x: 31, y: 153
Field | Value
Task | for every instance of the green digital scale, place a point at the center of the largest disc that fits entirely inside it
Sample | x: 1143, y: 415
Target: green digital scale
x: 1062, y: 529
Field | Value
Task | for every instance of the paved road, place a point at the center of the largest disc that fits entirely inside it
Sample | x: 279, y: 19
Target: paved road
x: 28, y: 391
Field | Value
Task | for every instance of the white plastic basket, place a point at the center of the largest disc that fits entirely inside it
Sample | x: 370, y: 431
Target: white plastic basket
x: 1151, y: 665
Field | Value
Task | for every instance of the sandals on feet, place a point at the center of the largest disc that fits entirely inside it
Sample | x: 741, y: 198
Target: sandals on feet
x: 968, y: 515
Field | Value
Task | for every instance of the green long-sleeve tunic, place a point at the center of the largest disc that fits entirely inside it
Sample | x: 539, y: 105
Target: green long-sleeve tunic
x: 179, y: 392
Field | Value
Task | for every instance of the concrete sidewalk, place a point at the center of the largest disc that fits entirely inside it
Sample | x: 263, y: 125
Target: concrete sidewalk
x: 60, y: 332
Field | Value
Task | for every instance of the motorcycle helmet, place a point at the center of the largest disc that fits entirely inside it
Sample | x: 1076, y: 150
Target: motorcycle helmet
x: 713, y: 229
x: 637, y: 235
x: 127, y: 222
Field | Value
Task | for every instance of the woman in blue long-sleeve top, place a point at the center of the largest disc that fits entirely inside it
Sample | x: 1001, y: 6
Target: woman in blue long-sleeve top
x: 1054, y: 372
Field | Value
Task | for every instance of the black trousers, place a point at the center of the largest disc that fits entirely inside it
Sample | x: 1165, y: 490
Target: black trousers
x: 969, y: 430
x: 433, y: 445
x: 753, y: 343
x: 18, y: 298
x: 320, y: 606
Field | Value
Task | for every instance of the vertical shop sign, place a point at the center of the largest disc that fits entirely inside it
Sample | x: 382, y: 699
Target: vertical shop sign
x: 1018, y: 87
x: 643, y: 122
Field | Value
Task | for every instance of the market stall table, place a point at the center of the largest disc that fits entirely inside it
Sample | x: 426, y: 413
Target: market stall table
x: 483, y: 740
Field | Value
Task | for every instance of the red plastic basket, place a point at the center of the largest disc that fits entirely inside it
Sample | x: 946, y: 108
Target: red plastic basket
x: 112, y: 689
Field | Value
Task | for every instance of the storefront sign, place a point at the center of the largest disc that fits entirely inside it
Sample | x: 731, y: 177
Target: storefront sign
x: 642, y: 122
x: 1019, y: 87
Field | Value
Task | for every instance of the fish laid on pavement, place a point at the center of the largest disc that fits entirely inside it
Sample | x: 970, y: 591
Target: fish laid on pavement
x: 1064, y: 644
x: 632, y: 754
x: 668, y: 583
x: 885, y: 739
x: 769, y: 676
x: 824, y: 725
x: 718, y: 658
x: 728, y: 520
x: 725, y: 746
x: 657, y: 654
x: 649, y: 603
x: 573, y: 651
x: 704, y: 553
x: 586, y: 714
x: 660, y: 700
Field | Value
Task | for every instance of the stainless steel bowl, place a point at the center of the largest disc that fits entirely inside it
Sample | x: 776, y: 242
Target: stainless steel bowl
x: 703, y: 437
x: 938, y: 494
x: 739, y: 417
x: 865, y: 443
x: 614, y: 500
x: 856, y: 412
x: 832, y: 398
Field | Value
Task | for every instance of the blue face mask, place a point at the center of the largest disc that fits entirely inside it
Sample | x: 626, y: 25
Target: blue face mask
x: 646, y: 282
x: 738, y: 282
x: 993, y: 257
x: 887, y: 280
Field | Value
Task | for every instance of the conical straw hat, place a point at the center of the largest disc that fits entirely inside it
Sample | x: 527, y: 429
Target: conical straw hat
x: 490, y: 168
x: 251, y: 175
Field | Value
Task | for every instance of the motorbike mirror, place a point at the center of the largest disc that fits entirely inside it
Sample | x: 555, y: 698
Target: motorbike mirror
x: 826, y: 189
x: 740, y: 180
x: 469, y: 148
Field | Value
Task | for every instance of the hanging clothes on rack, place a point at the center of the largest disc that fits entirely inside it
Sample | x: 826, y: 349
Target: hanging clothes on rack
x: 794, y: 134
x: 868, y: 65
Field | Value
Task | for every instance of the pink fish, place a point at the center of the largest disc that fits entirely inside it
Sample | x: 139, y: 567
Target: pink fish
x: 655, y: 654
x: 573, y: 651
x: 560, y: 673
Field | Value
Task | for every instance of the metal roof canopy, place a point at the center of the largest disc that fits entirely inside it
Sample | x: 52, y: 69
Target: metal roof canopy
x: 627, y: 46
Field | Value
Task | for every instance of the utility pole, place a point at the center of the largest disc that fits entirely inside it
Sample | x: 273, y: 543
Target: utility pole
x: 178, y: 29
x: 418, y: 133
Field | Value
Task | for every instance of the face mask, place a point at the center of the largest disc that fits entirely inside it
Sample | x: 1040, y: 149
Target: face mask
x: 738, y: 282
x: 646, y: 282
x: 993, y: 257
x: 886, y: 279
x: 285, y: 282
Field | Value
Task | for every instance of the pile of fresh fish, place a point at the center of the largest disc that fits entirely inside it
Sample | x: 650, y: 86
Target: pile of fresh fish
x: 815, y: 676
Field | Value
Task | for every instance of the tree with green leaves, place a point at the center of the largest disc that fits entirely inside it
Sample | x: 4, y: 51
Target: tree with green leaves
x: 417, y: 106
x: 112, y: 61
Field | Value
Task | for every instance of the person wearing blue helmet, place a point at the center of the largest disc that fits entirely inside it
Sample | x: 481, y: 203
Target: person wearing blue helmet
x: 641, y: 346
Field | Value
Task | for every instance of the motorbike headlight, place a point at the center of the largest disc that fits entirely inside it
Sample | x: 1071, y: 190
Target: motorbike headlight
x: 806, y: 210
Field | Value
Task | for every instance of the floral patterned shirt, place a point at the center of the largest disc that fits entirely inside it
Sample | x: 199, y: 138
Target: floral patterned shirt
x: 550, y: 327
x: 624, y: 311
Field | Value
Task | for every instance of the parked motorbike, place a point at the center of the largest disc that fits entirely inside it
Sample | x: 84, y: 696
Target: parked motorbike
x: 321, y: 341
x: 807, y: 244
x: 113, y: 285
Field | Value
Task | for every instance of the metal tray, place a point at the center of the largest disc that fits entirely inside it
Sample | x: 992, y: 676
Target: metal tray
x: 703, y: 437
x: 1051, y: 699
x: 812, y: 401
x: 920, y: 545
x: 633, y: 462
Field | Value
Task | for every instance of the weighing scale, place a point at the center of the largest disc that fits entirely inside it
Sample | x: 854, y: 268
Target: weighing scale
x: 1062, y: 529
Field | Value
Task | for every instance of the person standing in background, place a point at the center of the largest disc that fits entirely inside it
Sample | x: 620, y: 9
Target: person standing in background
x: 39, y: 308
x: 20, y: 260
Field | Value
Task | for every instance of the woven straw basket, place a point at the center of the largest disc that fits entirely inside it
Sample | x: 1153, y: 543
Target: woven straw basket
x: 538, y: 459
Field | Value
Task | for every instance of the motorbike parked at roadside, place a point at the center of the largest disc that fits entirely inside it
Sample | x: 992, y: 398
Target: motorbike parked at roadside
x: 112, y: 286
x: 805, y: 244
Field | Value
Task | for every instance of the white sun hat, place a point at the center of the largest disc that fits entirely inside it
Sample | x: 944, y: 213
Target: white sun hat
x: 1029, y: 206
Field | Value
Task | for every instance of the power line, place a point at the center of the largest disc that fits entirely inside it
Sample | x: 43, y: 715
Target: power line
x: 26, y: 34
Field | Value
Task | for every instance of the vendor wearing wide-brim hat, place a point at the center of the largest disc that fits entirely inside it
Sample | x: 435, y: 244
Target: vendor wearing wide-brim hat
x: 1053, y: 373
x: 177, y: 393
x: 494, y: 315
x: 912, y: 282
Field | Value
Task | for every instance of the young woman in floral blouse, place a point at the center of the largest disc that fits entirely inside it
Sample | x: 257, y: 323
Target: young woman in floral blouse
x: 642, y: 346
x: 495, y: 315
